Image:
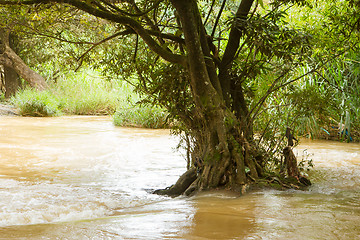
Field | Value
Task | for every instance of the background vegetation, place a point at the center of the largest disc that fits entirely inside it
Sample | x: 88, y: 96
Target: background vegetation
x: 90, y: 93
x: 323, y: 102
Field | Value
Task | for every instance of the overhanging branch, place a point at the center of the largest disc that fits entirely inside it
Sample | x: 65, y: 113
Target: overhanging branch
x: 124, y: 20
x: 81, y: 58
x: 127, y: 32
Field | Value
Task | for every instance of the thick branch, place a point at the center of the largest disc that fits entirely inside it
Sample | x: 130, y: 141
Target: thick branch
x: 4, y: 60
x: 232, y: 46
x: 236, y: 33
x: 139, y: 14
x: 142, y: 13
x: 205, y: 42
x: 150, y: 23
x: 197, y: 66
x: 167, y: 36
x: 10, y: 59
x: 127, y: 32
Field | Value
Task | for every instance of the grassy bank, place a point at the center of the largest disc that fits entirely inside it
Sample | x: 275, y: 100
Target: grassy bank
x: 85, y: 93
x: 88, y: 93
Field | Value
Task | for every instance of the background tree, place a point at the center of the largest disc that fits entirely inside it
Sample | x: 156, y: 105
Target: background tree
x: 35, y: 31
x: 11, y: 81
x: 321, y: 101
x: 14, y: 64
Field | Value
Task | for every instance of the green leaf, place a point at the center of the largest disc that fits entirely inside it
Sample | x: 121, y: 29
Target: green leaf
x: 261, y: 2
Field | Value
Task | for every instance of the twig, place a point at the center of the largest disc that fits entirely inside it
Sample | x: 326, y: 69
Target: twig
x: 208, y: 15
x: 81, y: 58
x: 218, y: 18
x: 136, y: 47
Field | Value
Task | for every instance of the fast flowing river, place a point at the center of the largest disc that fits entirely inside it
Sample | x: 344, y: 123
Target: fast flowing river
x: 83, y: 178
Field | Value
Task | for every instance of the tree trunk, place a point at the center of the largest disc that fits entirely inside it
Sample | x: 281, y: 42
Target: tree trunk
x: 12, y: 82
x: 11, y: 79
x: 9, y: 59
x: 292, y: 168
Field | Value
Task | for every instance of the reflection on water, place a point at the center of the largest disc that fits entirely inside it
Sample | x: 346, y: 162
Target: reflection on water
x: 83, y: 178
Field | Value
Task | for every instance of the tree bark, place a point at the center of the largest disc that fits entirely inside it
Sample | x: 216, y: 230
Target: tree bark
x: 12, y: 82
x: 235, y: 92
x: 10, y: 60
x: 182, y: 184
x: 233, y: 45
x: 11, y: 79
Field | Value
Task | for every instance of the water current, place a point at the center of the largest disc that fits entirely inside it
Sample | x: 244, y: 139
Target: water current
x: 83, y: 178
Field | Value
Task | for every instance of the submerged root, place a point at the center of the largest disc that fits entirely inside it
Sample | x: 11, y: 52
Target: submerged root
x: 237, y: 172
x: 189, y: 184
x: 182, y: 184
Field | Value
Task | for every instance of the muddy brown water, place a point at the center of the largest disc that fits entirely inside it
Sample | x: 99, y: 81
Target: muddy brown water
x: 83, y: 178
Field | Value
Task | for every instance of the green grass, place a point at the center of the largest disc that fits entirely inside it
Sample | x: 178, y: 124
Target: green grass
x: 130, y: 113
x: 141, y: 116
x: 36, y: 104
x: 85, y: 93
x: 88, y: 93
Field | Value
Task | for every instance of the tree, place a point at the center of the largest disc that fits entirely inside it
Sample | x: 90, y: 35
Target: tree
x: 208, y: 58
x: 11, y: 79
x: 12, y: 82
x: 68, y: 32
x: 13, y: 64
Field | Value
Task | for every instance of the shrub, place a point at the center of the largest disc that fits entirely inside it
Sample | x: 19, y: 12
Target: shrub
x: 141, y: 116
x: 35, y: 103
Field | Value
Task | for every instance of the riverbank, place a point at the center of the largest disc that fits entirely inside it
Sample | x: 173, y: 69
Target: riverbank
x: 148, y: 117
x: 8, y: 110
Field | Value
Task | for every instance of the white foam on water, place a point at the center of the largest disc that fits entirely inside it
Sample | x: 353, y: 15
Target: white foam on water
x: 23, y: 204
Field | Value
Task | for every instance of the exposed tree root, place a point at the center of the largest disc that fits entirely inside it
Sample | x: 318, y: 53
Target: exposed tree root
x: 292, y: 168
x: 193, y: 180
x: 182, y: 184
